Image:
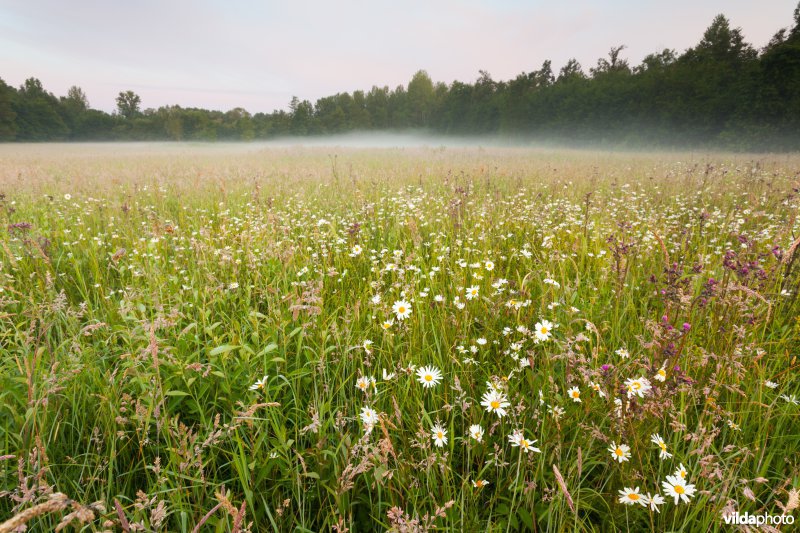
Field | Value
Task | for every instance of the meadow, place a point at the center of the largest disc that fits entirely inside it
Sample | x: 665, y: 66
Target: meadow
x: 251, y: 338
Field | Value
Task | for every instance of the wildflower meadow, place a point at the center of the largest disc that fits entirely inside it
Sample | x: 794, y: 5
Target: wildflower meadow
x: 217, y: 338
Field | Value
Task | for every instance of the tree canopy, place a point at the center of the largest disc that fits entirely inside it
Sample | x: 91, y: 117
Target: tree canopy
x: 722, y: 92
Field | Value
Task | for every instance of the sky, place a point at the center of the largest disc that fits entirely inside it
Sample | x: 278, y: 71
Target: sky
x: 221, y: 54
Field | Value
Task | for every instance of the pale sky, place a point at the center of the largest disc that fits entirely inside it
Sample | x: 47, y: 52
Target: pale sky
x: 257, y: 54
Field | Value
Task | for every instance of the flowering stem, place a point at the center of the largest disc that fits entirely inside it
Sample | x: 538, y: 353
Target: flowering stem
x: 514, y: 497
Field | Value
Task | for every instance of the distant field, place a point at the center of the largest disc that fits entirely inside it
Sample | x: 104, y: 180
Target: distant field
x: 255, y: 337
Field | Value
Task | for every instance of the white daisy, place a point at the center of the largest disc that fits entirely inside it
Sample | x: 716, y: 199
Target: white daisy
x: 364, y: 383
x: 402, y: 309
x: 655, y: 501
x: 637, y: 387
x: 495, y: 402
x: 260, y: 384
x: 658, y: 441
x: 630, y: 496
x: 575, y: 394
x: 620, y: 453
x: 369, y: 417
x: 543, y: 330
x: 429, y: 376
x: 596, y: 387
x: 439, y: 435
x: 517, y: 439
x: 677, y: 487
x: 476, y: 432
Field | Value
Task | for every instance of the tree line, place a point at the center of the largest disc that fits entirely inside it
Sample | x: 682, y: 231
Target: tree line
x: 722, y: 92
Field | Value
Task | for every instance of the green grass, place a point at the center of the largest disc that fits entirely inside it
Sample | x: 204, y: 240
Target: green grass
x: 150, y: 286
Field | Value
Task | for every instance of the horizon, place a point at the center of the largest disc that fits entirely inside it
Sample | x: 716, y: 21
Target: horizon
x: 58, y: 45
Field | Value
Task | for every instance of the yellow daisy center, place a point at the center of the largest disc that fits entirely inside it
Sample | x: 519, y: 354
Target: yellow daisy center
x: 543, y: 330
x: 439, y: 434
x: 495, y: 404
x: 633, y: 496
x: 679, y: 489
x: 618, y: 451
x: 636, y: 385
x: 401, y: 309
x: 428, y: 377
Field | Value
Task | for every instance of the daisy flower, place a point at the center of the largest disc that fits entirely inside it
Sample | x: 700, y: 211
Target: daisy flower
x: 364, y: 382
x: 367, y: 345
x: 439, y: 435
x: 355, y: 251
x: 623, y: 353
x: 495, y: 402
x: 596, y: 387
x: 260, y: 384
x: 472, y: 292
x: 637, y: 387
x: 429, y: 376
x: 681, y: 472
x: 402, y: 309
x: 658, y: 441
x: 677, y: 487
x: 476, y: 432
x: 791, y: 398
x: 488, y: 265
x: 479, y: 483
x: 575, y: 394
x: 620, y: 453
x: 369, y: 417
x: 630, y: 496
x: 543, y: 329
x: 655, y: 501
x: 771, y: 384
x: 661, y: 375
x: 556, y: 411
x: 387, y: 324
x: 518, y: 440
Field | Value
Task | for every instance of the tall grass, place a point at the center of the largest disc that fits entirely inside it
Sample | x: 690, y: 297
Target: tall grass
x: 145, y: 289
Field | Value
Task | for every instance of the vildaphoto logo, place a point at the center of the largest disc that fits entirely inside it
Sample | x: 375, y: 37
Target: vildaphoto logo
x: 757, y: 519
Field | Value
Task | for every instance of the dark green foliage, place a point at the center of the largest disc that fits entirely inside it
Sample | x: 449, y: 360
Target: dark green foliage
x: 8, y: 126
x: 721, y: 93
